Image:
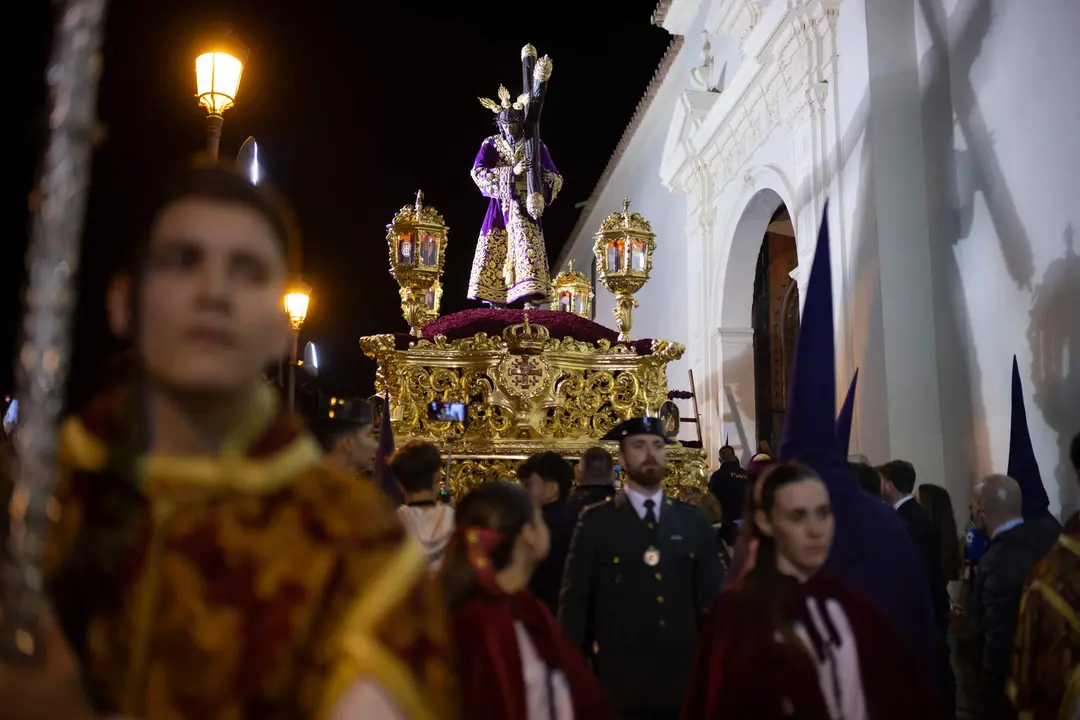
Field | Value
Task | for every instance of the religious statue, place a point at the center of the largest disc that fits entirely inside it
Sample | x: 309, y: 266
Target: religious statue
x: 515, y: 170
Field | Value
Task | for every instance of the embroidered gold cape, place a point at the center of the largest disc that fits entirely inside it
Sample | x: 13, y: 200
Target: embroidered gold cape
x: 1045, y: 682
x: 257, y: 584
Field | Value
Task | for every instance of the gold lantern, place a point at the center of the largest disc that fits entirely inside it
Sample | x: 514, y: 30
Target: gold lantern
x: 417, y: 240
x: 624, y: 248
x: 572, y: 292
x: 433, y: 299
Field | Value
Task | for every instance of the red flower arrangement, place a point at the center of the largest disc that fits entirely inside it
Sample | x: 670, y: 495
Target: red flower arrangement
x: 491, y: 321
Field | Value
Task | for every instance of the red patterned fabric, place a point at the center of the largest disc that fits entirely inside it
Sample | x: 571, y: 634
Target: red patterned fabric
x: 492, y: 681
x: 491, y: 321
x: 741, y: 671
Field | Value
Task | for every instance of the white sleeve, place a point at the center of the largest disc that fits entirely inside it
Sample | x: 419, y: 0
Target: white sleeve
x: 366, y: 700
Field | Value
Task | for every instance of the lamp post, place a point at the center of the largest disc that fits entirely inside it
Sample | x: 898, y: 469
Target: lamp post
x: 218, y: 67
x: 297, y: 299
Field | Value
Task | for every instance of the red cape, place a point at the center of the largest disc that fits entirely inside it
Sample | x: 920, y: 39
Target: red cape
x: 741, y: 671
x: 489, y: 660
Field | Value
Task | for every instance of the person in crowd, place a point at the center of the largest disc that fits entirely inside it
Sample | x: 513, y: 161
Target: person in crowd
x: 1045, y: 678
x: 594, y: 477
x: 641, y: 573
x: 898, y: 480
x: 548, y: 477
x: 937, y: 504
x: 708, y: 503
x: 786, y: 641
x: 728, y: 484
x: 417, y: 466
x: 514, y: 660
x: 1016, y: 545
x: 348, y: 438
x: 205, y: 563
x: 757, y: 466
x: 898, y: 488
x: 741, y: 544
x: 867, y: 476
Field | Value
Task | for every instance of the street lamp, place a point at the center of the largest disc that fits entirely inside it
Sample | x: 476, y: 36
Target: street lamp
x: 218, y: 67
x: 297, y: 299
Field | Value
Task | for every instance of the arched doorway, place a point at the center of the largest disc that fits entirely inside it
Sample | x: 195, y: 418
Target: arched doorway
x: 775, y: 322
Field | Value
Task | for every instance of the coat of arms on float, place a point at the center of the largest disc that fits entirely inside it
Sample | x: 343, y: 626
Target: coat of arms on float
x: 533, y: 380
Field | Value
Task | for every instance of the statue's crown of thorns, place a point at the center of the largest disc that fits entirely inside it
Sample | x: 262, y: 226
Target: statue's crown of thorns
x: 504, y: 101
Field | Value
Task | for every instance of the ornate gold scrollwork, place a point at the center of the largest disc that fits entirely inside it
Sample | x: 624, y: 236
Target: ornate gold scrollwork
x: 526, y: 393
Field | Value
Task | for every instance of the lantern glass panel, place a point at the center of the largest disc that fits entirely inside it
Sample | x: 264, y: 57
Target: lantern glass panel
x: 637, y: 256
x: 406, y: 254
x: 616, y: 252
x: 217, y: 78
x: 429, y: 298
x: 429, y: 249
x: 579, y: 302
x: 566, y: 301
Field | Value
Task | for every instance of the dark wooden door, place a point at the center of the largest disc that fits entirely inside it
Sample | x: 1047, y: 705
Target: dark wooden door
x: 776, y: 326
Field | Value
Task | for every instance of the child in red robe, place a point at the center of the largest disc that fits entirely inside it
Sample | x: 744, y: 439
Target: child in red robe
x: 787, y: 642
x: 515, y: 662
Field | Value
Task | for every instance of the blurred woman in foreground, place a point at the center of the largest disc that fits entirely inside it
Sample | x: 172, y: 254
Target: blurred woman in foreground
x: 515, y: 662
x: 785, y: 642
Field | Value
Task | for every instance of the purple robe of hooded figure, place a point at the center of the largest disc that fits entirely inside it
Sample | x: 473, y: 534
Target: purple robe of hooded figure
x: 510, y: 263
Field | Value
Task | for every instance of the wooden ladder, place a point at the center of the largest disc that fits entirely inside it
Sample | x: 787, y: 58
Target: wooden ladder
x: 696, y: 420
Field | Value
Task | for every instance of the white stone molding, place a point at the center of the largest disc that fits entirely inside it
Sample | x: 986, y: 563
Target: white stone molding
x: 691, y: 107
x: 788, y: 57
x: 678, y: 15
x: 738, y: 336
x: 733, y: 18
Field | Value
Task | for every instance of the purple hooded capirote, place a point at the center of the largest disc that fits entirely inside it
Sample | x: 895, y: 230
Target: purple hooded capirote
x: 846, y: 416
x: 1023, y: 467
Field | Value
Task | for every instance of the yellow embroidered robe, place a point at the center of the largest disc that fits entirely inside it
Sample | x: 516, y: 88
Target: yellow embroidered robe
x: 253, y: 585
x: 1045, y: 683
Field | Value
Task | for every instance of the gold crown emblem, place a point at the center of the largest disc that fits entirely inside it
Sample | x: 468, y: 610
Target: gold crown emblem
x: 504, y: 101
x: 570, y: 276
x: 526, y: 335
x: 626, y: 220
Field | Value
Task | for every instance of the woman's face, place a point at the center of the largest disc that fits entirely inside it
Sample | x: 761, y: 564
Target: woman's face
x: 802, y: 525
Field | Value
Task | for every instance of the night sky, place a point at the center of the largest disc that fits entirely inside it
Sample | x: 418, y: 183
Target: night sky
x: 354, y: 110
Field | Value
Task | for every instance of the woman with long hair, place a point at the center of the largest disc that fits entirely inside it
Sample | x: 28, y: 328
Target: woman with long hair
x: 935, y: 500
x: 785, y: 641
x: 515, y: 662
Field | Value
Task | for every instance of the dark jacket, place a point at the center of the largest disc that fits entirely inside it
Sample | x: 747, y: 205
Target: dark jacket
x: 638, y: 623
x: 561, y: 519
x: 585, y: 495
x: 728, y: 484
x: 928, y: 545
x: 995, y: 605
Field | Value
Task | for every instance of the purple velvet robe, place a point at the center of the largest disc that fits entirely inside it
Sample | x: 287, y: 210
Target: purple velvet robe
x: 510, y: 262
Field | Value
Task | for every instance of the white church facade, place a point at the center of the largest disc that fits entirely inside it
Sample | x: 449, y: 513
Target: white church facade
x: 942, y: 136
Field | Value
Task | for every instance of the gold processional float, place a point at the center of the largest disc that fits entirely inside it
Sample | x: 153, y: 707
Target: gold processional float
x: 525, y: 391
